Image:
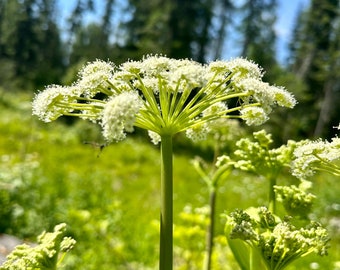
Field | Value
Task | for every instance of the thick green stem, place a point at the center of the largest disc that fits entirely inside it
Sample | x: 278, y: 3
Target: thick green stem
x: 166, y: 218
x: 211, y: 228
x: 251, y: 259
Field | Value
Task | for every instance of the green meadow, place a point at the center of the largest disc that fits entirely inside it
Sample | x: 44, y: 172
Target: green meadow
x: 108, y: 195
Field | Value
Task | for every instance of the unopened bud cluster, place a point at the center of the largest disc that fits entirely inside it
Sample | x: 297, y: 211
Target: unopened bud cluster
x: 279, y: 242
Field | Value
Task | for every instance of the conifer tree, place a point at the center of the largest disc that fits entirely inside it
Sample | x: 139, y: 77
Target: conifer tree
x: 314, y: 49
x: 257, y: 30
x: 177, y: 28
x: 223, y: 12
x: 30, y: 41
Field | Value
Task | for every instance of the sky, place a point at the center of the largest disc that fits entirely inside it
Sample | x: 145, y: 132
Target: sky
x: 287, y: 12
x: 286, y: 16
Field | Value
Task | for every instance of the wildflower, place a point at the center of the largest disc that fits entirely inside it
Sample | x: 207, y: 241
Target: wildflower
x: 283, y: 98
x: 278, y: 242
x: 42, y: 256
x: 173, y: 95
x: 296, y: 200
x: 95, y: 78
x: 240, y: 68
x: 198, y: 132
x: 312, y: 156
x: 254, y: 116
x: 243, y: 227
x: 163, y: 96
x: 155, y: 138
x: 119, y: 115
x: 256, y: 156
x: 50, y: 104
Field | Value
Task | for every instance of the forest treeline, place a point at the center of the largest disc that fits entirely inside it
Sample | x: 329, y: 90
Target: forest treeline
x: 39, y: 47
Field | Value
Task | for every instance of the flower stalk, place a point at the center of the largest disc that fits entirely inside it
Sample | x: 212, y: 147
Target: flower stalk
x: 272, y: 199
x: 212, y: 181
x: 210, y: 231
x: 166, y: 213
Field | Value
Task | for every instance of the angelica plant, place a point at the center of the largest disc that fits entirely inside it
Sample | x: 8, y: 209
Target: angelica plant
x: 47, y: 255
x: 314, y: 156
x: 222, y: 132
x: 163, y: 96
x: 257, y: 157
x: 278, y: 242
x: 264, y: 232
x: 296, y: 200
x: 212, y: 179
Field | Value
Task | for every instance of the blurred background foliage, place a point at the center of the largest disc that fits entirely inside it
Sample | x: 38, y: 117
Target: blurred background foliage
x: 53, y: 173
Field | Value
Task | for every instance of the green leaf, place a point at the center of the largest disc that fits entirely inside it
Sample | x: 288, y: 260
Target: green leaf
x: 239, y: 248
x: 247, y: 257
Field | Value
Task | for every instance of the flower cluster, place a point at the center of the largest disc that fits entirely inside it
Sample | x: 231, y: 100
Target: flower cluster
x: 296, y: 199
x: 120, y: 114
x: 163, y: 95
x: 42, y: 256
x: 314, y: 156
x: 278, y: 242
x: 257, y: 157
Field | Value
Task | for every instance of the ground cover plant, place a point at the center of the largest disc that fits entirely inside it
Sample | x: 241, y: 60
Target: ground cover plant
x: 115, y: 212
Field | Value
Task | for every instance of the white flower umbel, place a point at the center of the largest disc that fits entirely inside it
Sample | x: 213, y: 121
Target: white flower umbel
x: 96, y: 77
x: 155, y: 138
x: 314, y: 156
x: 177, y: 95
x: 119, y: 115
x: 254, y: 115
x: 163, y: 96
x: 47, y: 254
x: 53, y: 102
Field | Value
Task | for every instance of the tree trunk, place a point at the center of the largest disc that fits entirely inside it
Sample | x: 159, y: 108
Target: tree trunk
x: 326, y: 109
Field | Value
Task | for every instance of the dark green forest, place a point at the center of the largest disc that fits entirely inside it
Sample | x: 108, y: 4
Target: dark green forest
x: 39, y: 47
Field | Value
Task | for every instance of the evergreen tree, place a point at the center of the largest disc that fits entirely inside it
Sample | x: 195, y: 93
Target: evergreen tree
x: 223, y: 11
x: 315, y: 48
x: 189, y: 28
x: 30, y: 41
x: 90, y: 40
x: 90, y: 43
x: 329, y: 115
x: 148, y: 31
x: 177, y: 28
x: 257, y: 30
x: 77, y: 16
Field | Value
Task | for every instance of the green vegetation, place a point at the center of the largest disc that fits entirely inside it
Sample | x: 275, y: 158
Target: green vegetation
x: 47, y: 254
x: 110, y: 197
